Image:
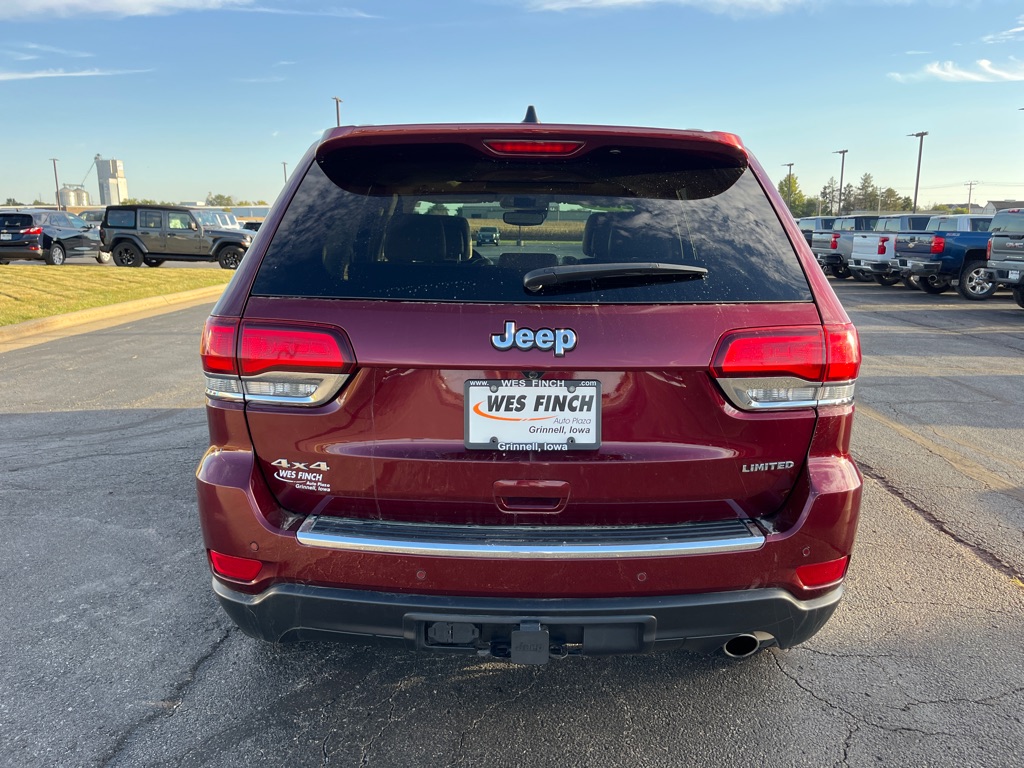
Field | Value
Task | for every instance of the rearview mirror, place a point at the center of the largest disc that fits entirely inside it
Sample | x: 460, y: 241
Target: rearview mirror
x: 524, y: 218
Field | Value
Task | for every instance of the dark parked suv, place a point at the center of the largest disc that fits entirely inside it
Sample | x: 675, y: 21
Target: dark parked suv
x: 630, y: 432
x: 45, y: 235
x: 148, y: 234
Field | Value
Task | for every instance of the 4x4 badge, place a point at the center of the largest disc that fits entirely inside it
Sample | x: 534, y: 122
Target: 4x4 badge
x: 561, y: 340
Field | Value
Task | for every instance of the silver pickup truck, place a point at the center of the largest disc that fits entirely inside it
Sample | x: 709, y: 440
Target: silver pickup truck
x: 832, y: 247
x: 872, y: 251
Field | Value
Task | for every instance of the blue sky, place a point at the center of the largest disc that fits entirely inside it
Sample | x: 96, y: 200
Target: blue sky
x: 206, y: 96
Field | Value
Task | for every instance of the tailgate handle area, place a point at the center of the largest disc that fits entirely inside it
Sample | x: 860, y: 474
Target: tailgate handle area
x: 536, y: 497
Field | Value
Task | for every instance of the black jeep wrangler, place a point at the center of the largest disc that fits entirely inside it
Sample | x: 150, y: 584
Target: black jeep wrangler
x: 152, y: 234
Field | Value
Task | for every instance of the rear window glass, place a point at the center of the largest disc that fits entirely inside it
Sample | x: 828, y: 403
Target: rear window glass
x: 401, y: 225
x: 1008, y: 222
x: 15, y: 221
x: 121, y: 219
x: 980, y: 225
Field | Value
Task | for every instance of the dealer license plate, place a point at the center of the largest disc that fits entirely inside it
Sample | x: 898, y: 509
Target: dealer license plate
x: 1014, y: 274
x: 523, y: 415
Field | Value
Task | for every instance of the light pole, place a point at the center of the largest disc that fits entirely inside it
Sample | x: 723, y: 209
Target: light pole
x: 56, y: 184
x: 842, y: 169
x: 920, y: 149
x: 285, y: 167
x: 337, y: 109
x: 789, y: 202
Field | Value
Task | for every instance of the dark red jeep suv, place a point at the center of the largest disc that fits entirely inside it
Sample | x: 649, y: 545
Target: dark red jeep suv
x: 625, y: 430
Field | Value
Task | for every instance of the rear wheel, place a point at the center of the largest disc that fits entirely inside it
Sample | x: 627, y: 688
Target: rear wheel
x: 1018, y: 295
x: 861, y: 276
x: 126, y: 255
x: 57, y: 255
x: 839, y: 270
x: 910, y: 283
x: 933, y: 283
x: 103, y: 258
x: 151, y: 262
x: 887, y: 279
x: 230, y: 256
x: 975, y: 284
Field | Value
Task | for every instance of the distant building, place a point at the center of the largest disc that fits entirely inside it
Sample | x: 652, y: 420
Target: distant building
x: 74, y: 196
x: 113, y: 185
x: 994, y: 206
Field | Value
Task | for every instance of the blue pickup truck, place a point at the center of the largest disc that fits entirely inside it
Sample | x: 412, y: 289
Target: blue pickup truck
x: 950, y: 253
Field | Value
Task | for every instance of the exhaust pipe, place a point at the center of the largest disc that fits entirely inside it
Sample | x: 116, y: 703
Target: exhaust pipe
x: 742, y: 646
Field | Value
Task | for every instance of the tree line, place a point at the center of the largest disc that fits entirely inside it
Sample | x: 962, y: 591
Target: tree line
x: 866, y: 196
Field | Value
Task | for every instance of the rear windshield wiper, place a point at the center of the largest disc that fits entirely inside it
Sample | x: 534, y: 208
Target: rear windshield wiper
x: 582, y: 273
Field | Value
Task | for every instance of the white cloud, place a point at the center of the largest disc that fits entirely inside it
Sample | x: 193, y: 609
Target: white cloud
x: 58, y: 51
x: 62, y: 73
x: 1017, y: 33
x: 984, y: 71
x: 337, y: 13
x: 15, y: 9
x: 716, y: 6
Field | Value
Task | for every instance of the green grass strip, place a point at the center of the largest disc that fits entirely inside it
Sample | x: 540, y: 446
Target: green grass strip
x: 28, y: 292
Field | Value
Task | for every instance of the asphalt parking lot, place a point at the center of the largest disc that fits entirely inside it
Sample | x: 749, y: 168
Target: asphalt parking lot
x: 117, y: 654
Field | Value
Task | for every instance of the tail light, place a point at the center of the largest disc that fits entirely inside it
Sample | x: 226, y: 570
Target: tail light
x: 938, y: 244
x: 32, y: 231
x: 835, y: 241
x: 795, y: 367
x: 282, y: 363
x: 988, y: 249
x: 881, y: 245
x: 532, y: 147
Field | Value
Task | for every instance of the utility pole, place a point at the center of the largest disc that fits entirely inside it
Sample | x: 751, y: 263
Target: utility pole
x: 337, y: 109
x: 285, y: 166
x: 789, y: 202
x: 842, y: 168
x: 970, y: 189
x: 920, y: 149
x: 56, y: 184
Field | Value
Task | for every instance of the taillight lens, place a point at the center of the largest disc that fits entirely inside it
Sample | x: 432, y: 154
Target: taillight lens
x: 881, y: 245
x: 532, y: 147
x: 32, y: 231
x: 938, y: 244
x: 793, y: 367
x: 286, y: 364
x: 835, y: 240
x: 988, y: 249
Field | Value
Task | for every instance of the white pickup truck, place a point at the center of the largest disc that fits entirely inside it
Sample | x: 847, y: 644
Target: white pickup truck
x: 873, y: 251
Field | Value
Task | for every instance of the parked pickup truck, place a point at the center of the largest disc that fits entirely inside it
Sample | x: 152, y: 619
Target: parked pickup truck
x: 808, y: 224
x: 832, y: 246
x: 1006, y: 251
x: 950, y: 253
x: 873, y: 251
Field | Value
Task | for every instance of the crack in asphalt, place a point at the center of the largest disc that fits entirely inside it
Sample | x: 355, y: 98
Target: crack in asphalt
x: 461, y: 758
x: 170, y: 704
x: 989, y: 558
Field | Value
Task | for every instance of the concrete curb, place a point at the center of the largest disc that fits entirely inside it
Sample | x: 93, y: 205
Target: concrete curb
x: 126, y: 309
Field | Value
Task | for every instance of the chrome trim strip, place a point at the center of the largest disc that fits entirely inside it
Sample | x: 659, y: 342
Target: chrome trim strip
x: 540, y: 550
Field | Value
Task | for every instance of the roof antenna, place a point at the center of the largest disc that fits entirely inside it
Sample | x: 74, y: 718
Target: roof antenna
x: 531, y: 115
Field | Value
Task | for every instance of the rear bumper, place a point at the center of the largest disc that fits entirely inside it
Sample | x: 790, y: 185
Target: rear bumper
x: 701, y: 623
x: 869, y: 265
x: 910, y: 267
x: 829, y: 259
x: 1006, y: 272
